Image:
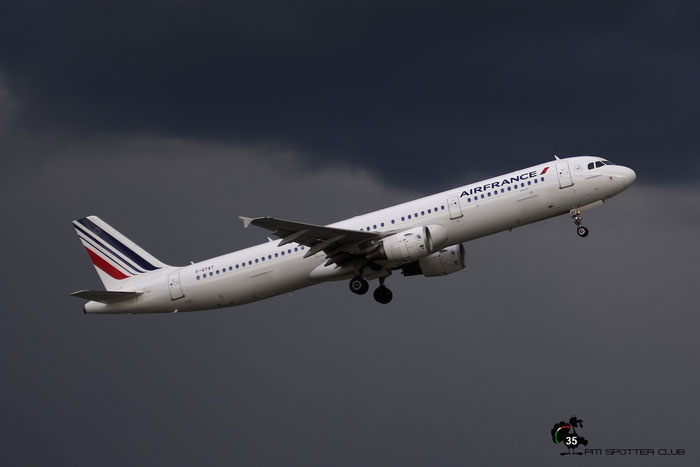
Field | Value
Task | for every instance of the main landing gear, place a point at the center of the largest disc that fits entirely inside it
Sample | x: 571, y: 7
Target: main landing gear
x: 360, y: 286
x: 576, y: 217
x: 382, y: 294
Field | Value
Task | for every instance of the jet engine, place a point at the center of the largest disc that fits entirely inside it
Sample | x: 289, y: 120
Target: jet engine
x: 410, y: 244
x: 443, y: 262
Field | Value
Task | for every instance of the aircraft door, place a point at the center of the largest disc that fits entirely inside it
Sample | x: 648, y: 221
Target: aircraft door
x: 174, y: 286
x: 453, y: 206
x: 564, y: 174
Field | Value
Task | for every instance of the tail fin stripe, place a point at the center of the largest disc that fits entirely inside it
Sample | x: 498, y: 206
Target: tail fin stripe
x: 108, y: 254
x: 105, y: 266
x: 105, y: 249
x: 117, y: 245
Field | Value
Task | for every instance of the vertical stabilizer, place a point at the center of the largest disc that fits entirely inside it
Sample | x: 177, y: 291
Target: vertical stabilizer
x: 116, y: 258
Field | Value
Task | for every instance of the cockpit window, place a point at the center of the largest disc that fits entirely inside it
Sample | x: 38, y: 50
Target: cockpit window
x: 597, y: 164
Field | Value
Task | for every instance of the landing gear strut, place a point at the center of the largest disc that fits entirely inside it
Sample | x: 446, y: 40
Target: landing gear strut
x: 382, y: 294
x: 576, y: 217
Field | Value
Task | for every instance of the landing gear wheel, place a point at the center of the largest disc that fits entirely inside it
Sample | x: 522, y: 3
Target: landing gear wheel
x: 576, y: 217
x: 383, y: 295
x: 359, y: 286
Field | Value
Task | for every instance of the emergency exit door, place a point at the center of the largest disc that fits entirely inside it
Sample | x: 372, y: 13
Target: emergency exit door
x: 453, y: 206
x: 174, y: 286
x: 564, y: 174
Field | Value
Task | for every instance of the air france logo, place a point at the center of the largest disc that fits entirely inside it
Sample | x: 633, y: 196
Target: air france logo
x: 503, y: 183
x: 565, y: 434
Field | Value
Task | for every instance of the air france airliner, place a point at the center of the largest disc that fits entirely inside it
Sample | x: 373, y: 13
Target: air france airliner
x: 421, y: 237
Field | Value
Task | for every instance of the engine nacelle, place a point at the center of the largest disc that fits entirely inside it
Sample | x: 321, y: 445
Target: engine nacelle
x: 410, y: 244
x: 444, y: 262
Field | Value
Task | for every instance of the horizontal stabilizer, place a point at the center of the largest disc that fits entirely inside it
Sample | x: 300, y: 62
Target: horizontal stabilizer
x: 105, y: 296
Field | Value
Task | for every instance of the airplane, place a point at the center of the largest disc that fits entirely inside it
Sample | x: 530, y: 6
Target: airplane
x: 421, y: 237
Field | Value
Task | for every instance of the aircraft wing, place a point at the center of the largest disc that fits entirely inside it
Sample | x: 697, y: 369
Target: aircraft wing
x: 340, y: 245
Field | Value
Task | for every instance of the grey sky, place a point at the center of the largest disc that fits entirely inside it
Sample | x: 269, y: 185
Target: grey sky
x: 472, y: 368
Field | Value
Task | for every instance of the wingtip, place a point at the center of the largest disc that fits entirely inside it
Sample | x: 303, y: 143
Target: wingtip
x: 246, y: 221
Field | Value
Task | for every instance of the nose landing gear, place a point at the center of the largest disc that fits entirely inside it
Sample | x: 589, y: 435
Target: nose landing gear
x: 576, y: 217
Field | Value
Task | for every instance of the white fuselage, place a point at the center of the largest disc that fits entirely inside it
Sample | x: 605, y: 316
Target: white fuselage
x: 467, y: 212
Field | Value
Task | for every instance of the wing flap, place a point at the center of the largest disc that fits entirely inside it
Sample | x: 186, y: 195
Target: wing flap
x: 331, y: 240
x: 306, y: 234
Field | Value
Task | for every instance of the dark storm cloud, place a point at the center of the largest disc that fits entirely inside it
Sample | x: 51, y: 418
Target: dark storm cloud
x: 397, y: 86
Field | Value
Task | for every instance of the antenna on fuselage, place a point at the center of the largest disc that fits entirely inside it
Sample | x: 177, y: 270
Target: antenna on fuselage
x: 556, y: 157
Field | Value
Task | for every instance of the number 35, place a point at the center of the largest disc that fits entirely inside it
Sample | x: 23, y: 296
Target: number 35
x: 571, y: 441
